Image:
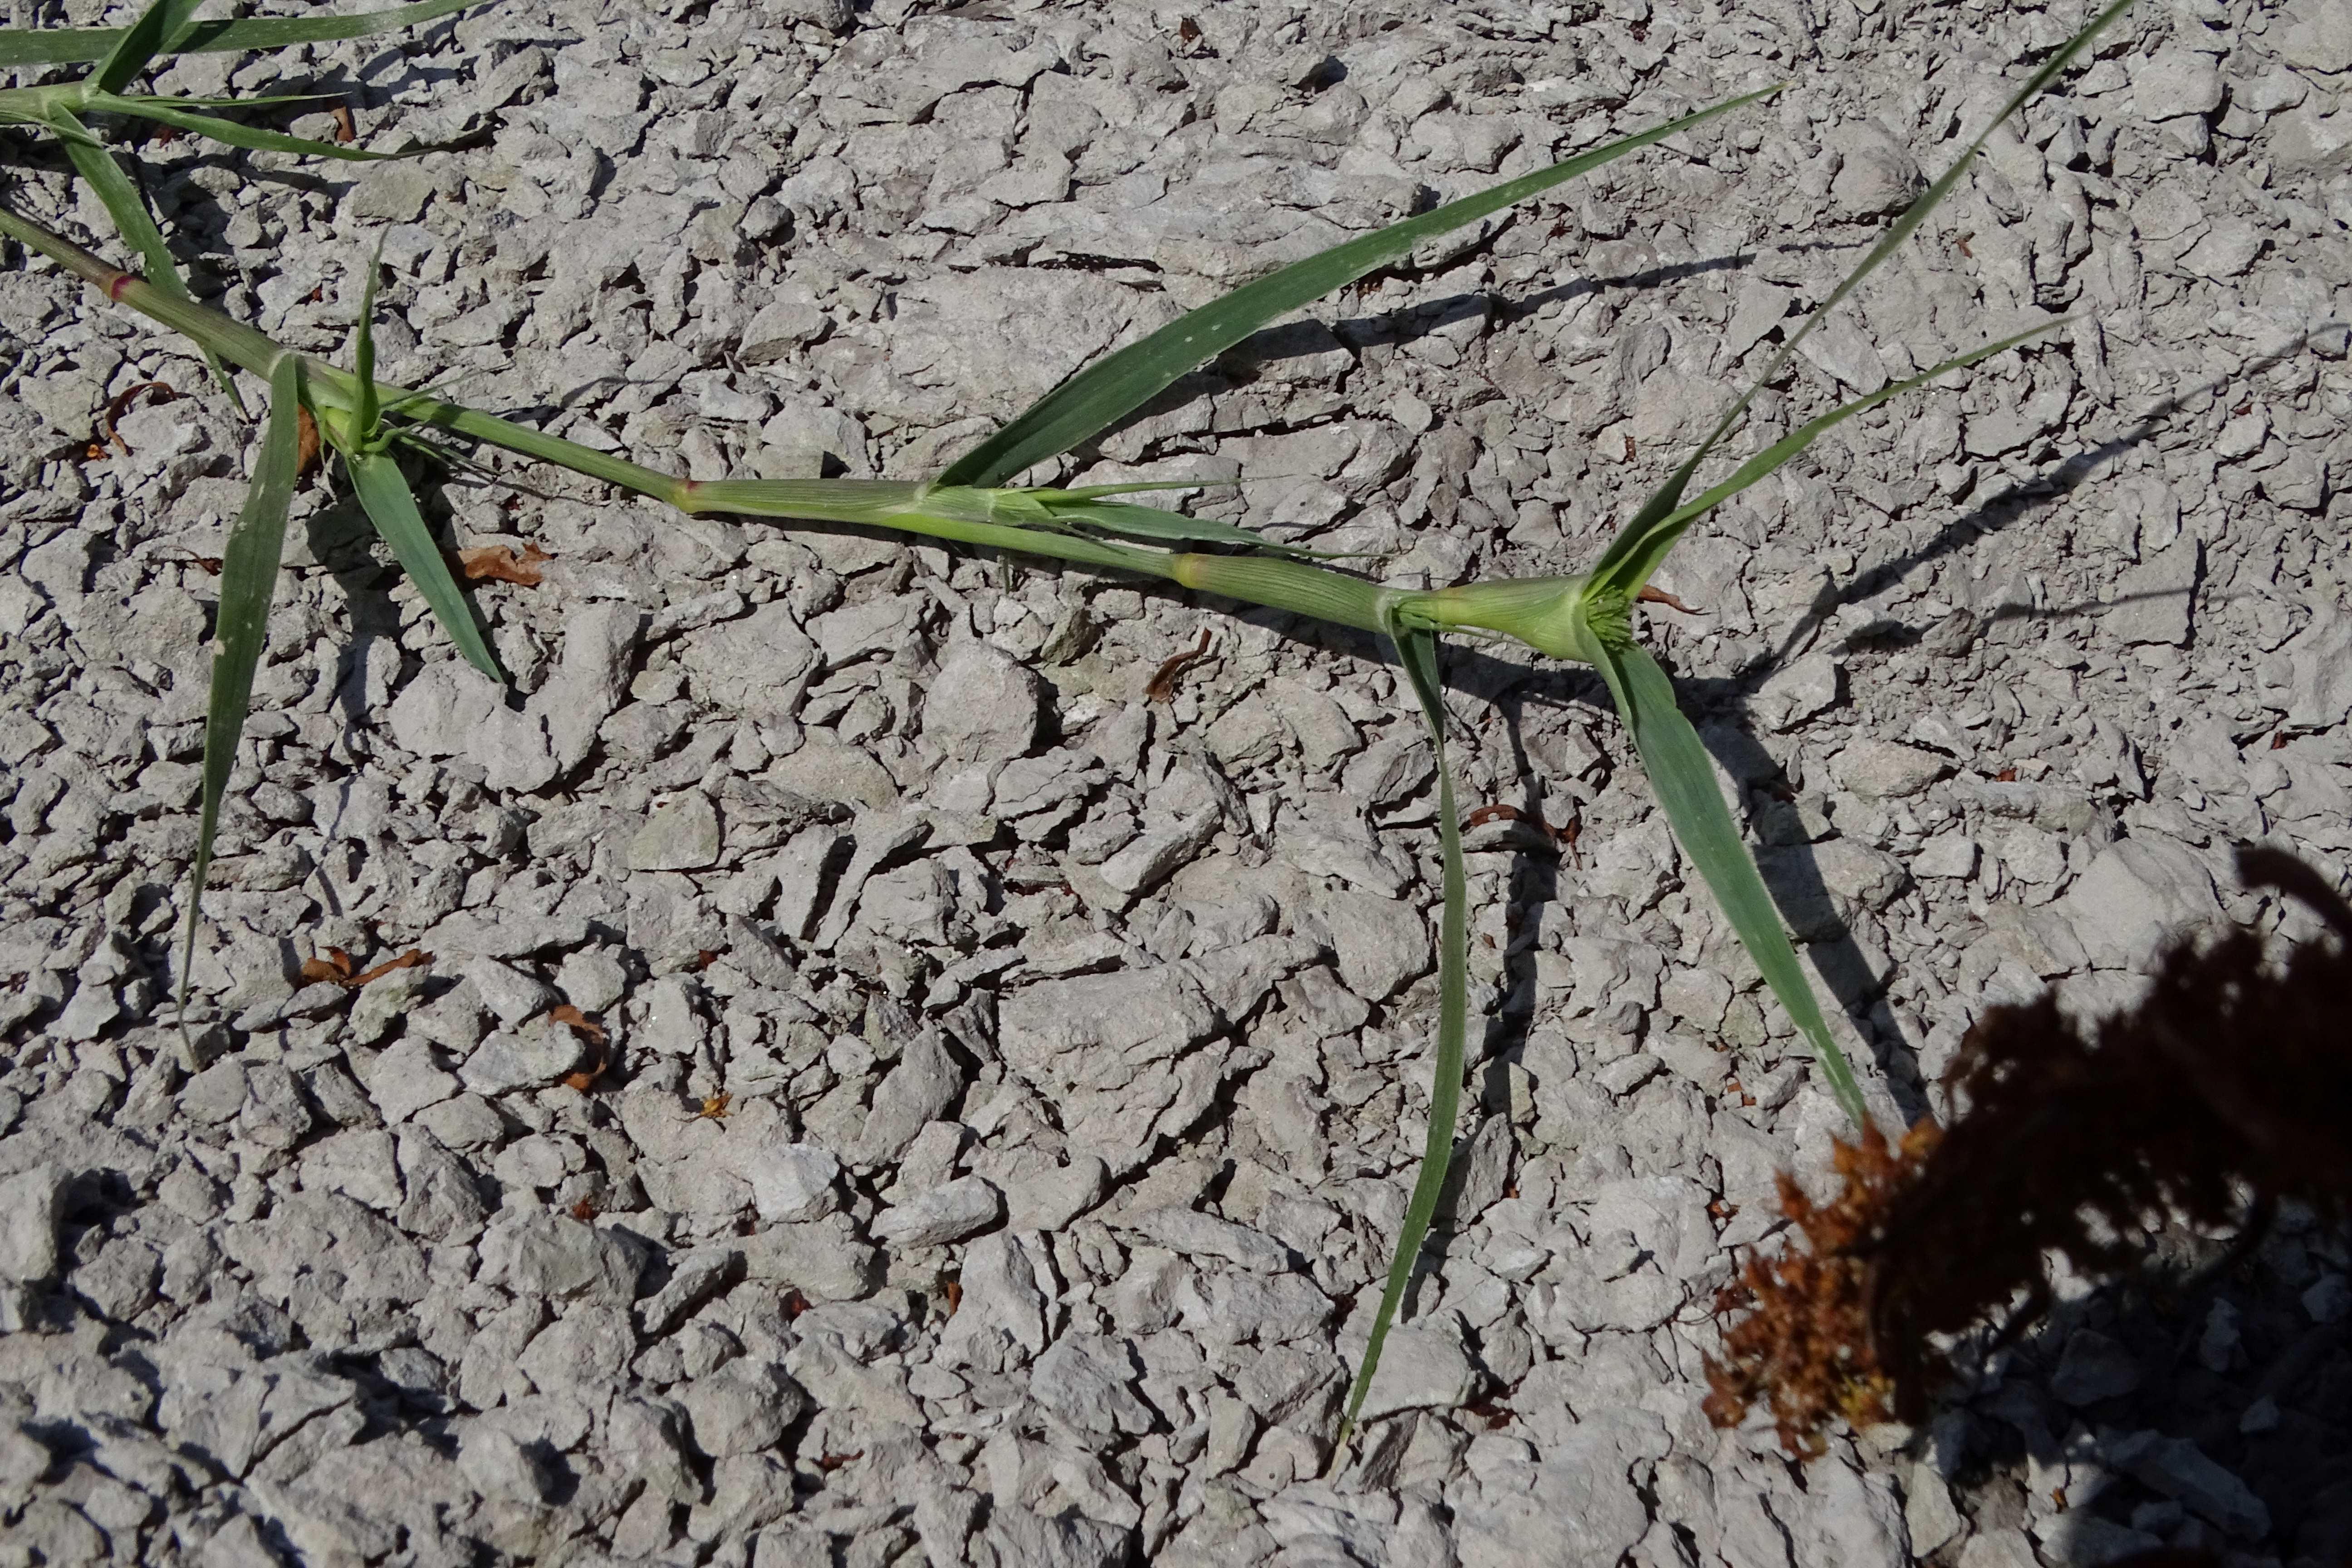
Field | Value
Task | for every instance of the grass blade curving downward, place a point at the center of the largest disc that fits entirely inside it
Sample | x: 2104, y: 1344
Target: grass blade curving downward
x: 384, y: 492
x: 71, y: 46
x: 93, y: 161
x: 141, y: 41
x: 247, y: 580
x: 1093, y: 400
x: 1683, y: 782
x: 176, y: 114
x: 1417, y: 651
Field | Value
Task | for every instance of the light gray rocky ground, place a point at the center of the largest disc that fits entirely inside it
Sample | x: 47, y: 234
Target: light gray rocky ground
x: 1078, y: 1044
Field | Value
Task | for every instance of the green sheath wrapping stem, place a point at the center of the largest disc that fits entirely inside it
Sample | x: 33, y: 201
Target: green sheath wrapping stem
x: 1292, y: 585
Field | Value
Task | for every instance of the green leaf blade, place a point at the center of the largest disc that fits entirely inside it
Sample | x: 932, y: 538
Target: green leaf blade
x: 142, y: 42
x: 1417, y: 652
x: 163, y: 111
x: 94, y: 163
x: 1684, y: 781
x: 384, y: 495
x: 1648, y: 547
x: 248, y: 582
x: 74, y: 46
x: 1097, y: 397
x: 1630, y: 539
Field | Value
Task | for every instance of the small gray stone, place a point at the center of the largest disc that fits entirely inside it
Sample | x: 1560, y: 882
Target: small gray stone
x: 1157, y: 852
x: 682, y: 835
x: 945, y: 1214
x: 2138, y: 892
x: 535, y: 1056
x: 793, y: 1182
x: 556, y: 1256
x: 1421, y: 1367
x: 824, y: 1258
x: 984, y: 705
x: 357, y: 1162
x: 2095, y: 1367
x: 1379, y: 945
x: 1888, y: 770
x: 1952, y: 854
x: 396, y: 191
x: 2176, y: 82
x: 741, y: 1408
x: 31, y: 1203
x: 1875, y: 174
x: 2179, y: 1470
x: 2006, y: 1547
x: 2152, y: 600
x: 508, y: 993
x: 918, y: 1089
x: 1791, y: 696
x: 1188, y: 1233
x: 405, y: 1078
x: 499, y: 1466
x: 1084, y: 1379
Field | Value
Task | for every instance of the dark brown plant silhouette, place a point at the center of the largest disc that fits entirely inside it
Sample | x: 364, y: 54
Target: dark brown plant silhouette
x: 2229, y: 1079
x: 1804, y: 1345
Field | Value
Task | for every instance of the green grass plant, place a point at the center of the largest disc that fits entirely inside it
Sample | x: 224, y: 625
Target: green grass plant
x: 1585, y: 618
x: 120, y: 54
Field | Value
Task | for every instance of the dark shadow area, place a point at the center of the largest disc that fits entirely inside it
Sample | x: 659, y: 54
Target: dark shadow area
x: 2007, y: 507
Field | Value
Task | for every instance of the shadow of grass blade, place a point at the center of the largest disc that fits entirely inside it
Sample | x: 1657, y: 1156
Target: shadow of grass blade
x: 383, y: 493
x: 1684, y: 781
x: 166, y: 112
x: 249, y: 578
x: 73, y: 45
x: 1094, y: 398
x: 1611, y: 568
x: 1651, y: 547
x: 94, y: 163
x: 1417, y: 651
x: 142, y: 42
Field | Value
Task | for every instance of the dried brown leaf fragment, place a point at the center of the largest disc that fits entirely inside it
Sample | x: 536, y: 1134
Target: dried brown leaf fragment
x: 497, y: 563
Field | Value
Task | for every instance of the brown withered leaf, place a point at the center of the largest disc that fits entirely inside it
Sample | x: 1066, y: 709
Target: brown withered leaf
x: 585, y: 1078
x: 306, y: 442
x: 338, y: 966
x: 1803, y: 1346
x: 121, y: 401
x: 496, y: 562
x: 567, y: 1014
x: 1161, y: 686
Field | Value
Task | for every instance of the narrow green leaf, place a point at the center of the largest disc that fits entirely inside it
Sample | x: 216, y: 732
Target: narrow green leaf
x: 1126, y: 521
x: 143, y: 41
x: 247, y: 580
x: 1417, y: 652
x: 369, y: 412
x: 1097, y: 396
x: 1629, y: 540
x: 71, y: 46
x: 93, y: 161
x: 383, y: 493
x: 1649, y: 548
x: 1683, y: 782
x: 164, y: 111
